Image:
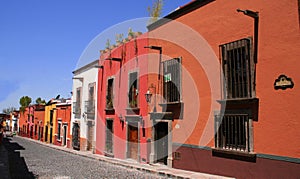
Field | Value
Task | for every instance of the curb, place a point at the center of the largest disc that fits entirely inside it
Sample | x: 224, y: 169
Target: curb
x: 160, y: 170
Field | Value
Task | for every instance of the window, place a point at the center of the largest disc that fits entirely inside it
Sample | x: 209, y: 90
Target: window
x: 234, y: 127
x: 109, y: 136
x: 90, y: 104
x: 58, y: 130
x: 172, y: 80
x: 238, y: 69
x: 77, y: 103
x: 133, y: 90
x: 109, y: 96
x: 233, y: 132
x: 35, y: 130
x: 51, y: 117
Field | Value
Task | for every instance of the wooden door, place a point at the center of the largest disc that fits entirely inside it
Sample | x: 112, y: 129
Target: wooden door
x: 133, y: 142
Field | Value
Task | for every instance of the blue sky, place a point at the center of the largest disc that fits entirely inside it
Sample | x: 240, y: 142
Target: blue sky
x: 42, y: 41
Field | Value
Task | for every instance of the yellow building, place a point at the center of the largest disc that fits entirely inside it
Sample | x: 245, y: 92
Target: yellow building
x: 49, y: 125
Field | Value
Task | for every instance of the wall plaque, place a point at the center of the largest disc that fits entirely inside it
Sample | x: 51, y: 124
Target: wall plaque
x: 283, y: 82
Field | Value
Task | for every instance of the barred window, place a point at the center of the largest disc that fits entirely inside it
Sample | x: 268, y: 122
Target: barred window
x: 172, y: 80
x: 233, y: 132
x: 237, y: 69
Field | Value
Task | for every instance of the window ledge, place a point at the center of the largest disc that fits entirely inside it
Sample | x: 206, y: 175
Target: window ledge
x: 234, y: 154
x: 238, y: 101
x: 135, y: 110
x: 177, y: 103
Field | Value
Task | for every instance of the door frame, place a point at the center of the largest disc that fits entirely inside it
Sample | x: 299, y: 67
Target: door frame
x: 153, y: 153
x: 133, y: 120
x: 65, y: 134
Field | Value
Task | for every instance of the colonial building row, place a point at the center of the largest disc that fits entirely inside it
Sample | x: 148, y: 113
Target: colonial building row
x: 212, y: 87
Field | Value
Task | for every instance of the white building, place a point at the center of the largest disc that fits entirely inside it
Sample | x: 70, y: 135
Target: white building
x: 84, y: 107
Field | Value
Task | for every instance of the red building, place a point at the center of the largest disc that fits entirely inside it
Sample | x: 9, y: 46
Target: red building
x: 39, y: 119
x: 63, y: 122
x: 121, y: 130
x: 229, y: 88
x: 23, y: 129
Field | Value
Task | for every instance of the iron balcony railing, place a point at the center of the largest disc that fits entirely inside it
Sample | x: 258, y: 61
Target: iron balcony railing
x: 76, y: 109
x: 89, y: 109
x: 232, y: 132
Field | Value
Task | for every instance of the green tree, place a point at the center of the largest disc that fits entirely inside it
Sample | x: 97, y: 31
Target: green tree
x: 24, y: 102
x: 155, y: 11
x: 40, y: 101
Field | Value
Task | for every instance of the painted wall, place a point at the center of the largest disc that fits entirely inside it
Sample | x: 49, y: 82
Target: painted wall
x: 48, y: 108
x: 23, y: 123
x: 89, y: 75
x: 39, y: 121
x: 64, y: 115
x: 133, y: 59
x: 197, y: 41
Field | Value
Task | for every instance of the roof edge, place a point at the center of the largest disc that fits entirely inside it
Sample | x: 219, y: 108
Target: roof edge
x: 182, y: 10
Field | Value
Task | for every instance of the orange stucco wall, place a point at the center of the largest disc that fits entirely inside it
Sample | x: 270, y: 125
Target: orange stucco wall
x: 276, y: 131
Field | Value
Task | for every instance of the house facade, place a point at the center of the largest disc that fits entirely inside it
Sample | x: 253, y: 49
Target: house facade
x: 225, y: 90
x: 84, y: 117
x: 63, y: 123
x: 39, y: 121
x: 49, y: 123
x: 122, y: 109
x: 15, y: 115
x: 23, y: 122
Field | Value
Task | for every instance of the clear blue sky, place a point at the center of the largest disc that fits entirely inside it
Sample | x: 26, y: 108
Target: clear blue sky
x: 41, y: 41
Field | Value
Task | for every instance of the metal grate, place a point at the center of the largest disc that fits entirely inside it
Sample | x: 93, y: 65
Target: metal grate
x: 172, y: 80
x: 237, y: 69
x: 76, y: 109
x: 90, y: 109
x: 232, y: 132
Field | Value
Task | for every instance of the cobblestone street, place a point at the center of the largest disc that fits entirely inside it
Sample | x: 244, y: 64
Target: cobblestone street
x: 31, y: 160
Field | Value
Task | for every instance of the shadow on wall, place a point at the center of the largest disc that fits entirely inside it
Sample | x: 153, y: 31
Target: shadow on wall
x: 17, y: 164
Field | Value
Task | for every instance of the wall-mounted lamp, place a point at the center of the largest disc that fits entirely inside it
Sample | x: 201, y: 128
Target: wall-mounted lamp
x: 148, y: 96
x: 121, y: 117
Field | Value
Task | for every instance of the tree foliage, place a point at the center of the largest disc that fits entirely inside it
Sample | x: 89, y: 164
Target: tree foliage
x: 40, y: 101
x: 24, y: 102
x: 155, y: 11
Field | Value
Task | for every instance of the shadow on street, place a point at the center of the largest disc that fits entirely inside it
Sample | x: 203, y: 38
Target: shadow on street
x: 17, y: 164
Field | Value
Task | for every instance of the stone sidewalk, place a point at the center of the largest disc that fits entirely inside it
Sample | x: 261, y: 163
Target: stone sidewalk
x: 161, y: 170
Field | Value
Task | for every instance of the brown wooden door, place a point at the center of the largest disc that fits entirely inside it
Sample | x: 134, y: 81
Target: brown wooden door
x: 133, y: 142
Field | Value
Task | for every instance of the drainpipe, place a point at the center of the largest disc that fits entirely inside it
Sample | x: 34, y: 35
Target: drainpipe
x: 255, y: 16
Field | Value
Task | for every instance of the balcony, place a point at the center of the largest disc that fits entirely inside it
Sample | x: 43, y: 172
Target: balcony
x: 89, y: 109
x: 76, y: 109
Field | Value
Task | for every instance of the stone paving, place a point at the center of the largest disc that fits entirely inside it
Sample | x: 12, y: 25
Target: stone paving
x: 34, y: 159
x: 45, y: 162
